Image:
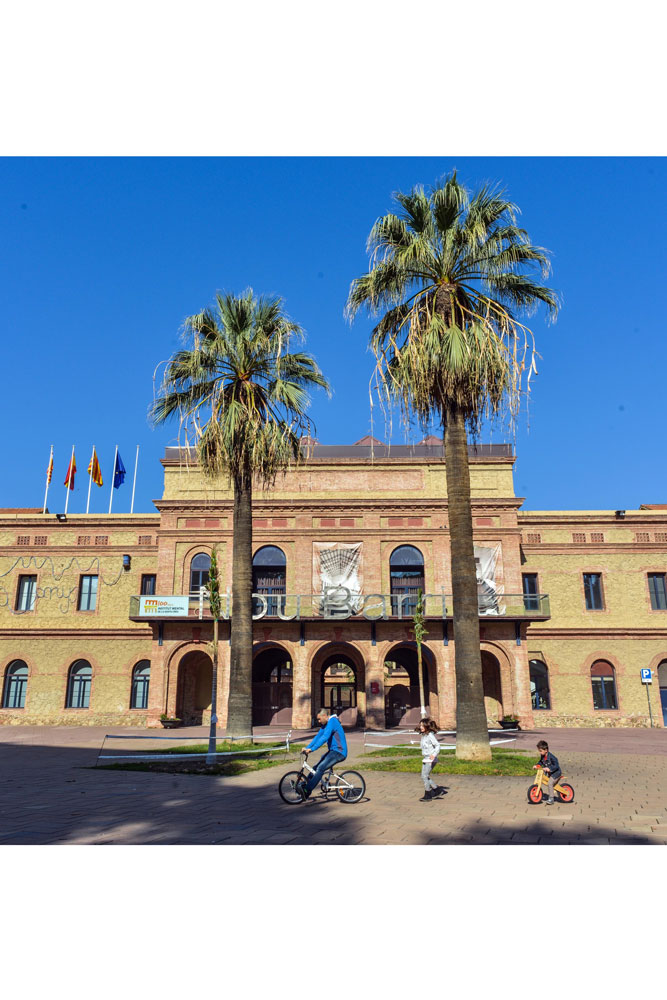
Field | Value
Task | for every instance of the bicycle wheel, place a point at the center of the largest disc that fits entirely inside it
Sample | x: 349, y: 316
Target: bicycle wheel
x: 535, y: 795
x: 289, y: 788
x: 354, y: 787
x: 566, y: 794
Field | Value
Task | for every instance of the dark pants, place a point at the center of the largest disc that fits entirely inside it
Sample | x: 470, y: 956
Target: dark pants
x: 330, y: 759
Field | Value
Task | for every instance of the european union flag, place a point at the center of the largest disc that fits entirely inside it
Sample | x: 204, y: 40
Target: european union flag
x: 118, y: 472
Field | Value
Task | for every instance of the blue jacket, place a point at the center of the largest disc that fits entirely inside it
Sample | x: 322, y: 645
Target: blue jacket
x: 332, y: 734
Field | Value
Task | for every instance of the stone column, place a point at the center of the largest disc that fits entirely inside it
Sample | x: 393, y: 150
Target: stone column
x: 302, y: 708
x: 444, y: 658
x: 523, y: 703
x: 375, y: 718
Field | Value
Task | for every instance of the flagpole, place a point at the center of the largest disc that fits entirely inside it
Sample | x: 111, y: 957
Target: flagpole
x: 46, y: 491
x: 134, y: 483
x: 113, y: 476
x: 90, y: 478
x: 69, y: 479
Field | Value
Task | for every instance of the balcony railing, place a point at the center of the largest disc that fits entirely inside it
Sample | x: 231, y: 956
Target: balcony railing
x: 338, y: 604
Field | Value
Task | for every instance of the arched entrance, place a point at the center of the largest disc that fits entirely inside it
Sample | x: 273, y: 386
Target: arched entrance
x: 401, y: 685
x: 493, y: 701
x: 338, y: 688
x: 272, y: 685
x: 338, y: 682
x: 193, y: 690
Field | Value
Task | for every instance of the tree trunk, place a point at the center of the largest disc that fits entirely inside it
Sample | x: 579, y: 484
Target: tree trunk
x: 239, y: 712
x: 472, y: 737
x: 212, y: 736
x: 420, y: 671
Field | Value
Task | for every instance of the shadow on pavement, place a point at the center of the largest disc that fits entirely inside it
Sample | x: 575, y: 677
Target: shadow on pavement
x: 53, y: 795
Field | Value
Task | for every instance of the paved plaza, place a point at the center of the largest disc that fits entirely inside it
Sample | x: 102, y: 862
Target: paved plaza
x: 50, y: 793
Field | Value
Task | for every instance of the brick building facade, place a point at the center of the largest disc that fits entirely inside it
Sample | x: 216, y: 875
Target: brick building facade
x: 572, y: 604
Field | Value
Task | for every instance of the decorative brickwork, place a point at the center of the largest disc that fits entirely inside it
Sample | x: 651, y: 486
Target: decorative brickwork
x: 101, y: 539
x: 23, y: 540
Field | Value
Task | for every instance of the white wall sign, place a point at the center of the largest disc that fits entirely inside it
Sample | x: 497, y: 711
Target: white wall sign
x: 164, y: 607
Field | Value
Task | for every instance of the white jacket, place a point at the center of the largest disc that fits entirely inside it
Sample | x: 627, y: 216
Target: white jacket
x: 430, y: 747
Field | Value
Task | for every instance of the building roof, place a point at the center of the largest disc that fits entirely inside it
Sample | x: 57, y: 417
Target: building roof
x: 22, y: 510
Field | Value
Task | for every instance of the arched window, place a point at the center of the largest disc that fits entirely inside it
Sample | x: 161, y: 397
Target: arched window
x: 78, y: 685
x: 269, y: 578
x: 199, y: 570
x: 662, y: 681
x: 539, y: 684
x: 603, y: 682
x: 140, y: 679
x: 406, y: 573
x: 16, y: 682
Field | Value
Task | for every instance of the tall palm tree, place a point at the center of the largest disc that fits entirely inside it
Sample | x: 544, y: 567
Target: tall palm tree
x: 244, y: 395
x: 448, y: 275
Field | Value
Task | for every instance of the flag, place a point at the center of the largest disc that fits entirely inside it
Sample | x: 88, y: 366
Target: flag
x: 71, y: 472
x: 118, y: 472
x: 49, y: 471
x: 94, y: 470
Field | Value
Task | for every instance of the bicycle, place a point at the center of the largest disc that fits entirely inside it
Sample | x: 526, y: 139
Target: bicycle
x: 563, y: 790
x: 348, y: 786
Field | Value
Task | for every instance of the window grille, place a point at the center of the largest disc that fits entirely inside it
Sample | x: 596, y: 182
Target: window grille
x: 101, y: 539
x: 83, y: 540
x: 145, y: 539
x: 578, y: 537
x: 41, y: 539
x: 661, y: 536
x: 23, y: 540
x: 533, y: 538
x: 597, y: 536
x: 642, y: 536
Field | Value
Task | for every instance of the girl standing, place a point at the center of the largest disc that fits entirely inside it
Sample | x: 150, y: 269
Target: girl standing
x: 430, y: 749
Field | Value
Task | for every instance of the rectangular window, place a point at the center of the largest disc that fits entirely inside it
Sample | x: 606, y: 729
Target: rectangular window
x: 597, y: 536
x: 533, y: 538
x: 530, y: 591
x: 101, y: 539
x: 87, y: 593
x: 83, y: 540
x: 41, y: 539
x: 148, y: 583
x: 661, y: 536
x: 23, y: 540
x: 642, y: 536
x: 593, y: 591
x: 656, y: 588
x: 144, y: 539
x: 25, y: 600
x: 579, y: 537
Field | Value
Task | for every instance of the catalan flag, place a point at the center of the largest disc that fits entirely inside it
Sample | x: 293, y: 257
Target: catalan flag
x: 71, y: 472
x: 49, y: 471
x: 94, y: 470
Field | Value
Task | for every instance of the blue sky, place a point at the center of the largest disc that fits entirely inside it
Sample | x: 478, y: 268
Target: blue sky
x: 104, y: 258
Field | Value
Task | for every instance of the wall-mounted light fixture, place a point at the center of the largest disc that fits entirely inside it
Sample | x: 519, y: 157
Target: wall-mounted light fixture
x: 61, y: 517
x: 620, y: 514
x: 127, y: 562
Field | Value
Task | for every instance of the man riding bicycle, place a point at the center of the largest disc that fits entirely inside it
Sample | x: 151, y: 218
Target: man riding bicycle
x: 332, y: 734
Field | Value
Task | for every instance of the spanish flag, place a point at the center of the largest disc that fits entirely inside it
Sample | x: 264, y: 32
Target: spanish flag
x: 71, y: 472
x: 49, y: 471
x: 94, y: 470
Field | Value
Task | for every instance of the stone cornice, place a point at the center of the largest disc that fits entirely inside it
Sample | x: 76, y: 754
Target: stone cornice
x: 81, y: 633
x: 538, y: 632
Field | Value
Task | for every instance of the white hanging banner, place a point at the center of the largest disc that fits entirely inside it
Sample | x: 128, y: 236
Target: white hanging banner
x: 338, y: 574
x: 489, y: 580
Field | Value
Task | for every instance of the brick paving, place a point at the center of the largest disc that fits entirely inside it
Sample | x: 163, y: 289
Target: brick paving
x: 50, y: 794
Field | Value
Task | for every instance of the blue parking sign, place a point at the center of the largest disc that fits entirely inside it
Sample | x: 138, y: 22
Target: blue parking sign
x: 647, y: 676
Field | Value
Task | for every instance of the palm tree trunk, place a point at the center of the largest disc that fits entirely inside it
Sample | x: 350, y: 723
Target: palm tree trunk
x: 472, y: 737
x: 212, y: 736
x: 239, y: 712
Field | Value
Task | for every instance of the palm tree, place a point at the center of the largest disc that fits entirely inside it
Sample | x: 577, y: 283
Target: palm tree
x: 448, y: 276
x: 244, y: 395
